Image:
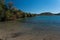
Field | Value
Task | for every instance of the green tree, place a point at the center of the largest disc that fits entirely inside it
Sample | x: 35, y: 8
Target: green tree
x: 3, y: 9
x: 10, y: 5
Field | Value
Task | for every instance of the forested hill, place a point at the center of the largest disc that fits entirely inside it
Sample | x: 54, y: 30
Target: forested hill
x: 9, y: 12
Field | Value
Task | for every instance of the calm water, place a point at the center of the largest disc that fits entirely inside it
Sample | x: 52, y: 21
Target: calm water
x: 44, y: 22
x: 43, y: 19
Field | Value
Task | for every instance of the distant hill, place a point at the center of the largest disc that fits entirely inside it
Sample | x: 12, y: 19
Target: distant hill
x: 47, y: 13
x: 57, y: 14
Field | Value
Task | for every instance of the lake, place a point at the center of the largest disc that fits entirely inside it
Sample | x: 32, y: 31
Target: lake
x: 33, y: 28
x: 44, y: 21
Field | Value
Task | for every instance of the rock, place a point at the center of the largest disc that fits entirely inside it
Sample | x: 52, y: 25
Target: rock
x: 0, y: 39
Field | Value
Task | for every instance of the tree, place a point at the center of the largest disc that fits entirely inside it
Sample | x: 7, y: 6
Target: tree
x: 10, y: 5
x: 3, y: 8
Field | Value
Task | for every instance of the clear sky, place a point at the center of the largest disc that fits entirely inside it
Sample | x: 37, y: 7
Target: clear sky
x: 37, y: 6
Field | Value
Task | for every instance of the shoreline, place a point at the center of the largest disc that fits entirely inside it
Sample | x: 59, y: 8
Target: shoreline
x: 20, y: 31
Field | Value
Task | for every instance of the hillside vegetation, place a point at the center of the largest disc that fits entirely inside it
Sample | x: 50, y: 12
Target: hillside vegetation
x: 9, y: 12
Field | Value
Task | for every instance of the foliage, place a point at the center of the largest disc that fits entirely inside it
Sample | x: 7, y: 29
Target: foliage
x: 8, y: 11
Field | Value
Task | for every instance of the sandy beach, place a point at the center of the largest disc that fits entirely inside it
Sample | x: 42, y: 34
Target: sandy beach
x: 21, y: 31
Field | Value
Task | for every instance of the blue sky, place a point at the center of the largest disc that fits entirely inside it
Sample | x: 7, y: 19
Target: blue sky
x: 37, y: 6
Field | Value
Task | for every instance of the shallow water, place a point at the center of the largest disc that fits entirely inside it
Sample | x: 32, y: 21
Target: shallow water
x: 35, y: 28
x: 45, y: 22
